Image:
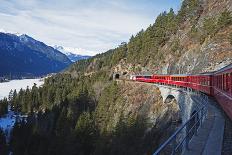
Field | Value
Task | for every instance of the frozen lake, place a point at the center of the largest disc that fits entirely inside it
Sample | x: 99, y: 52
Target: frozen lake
x: 17, y: 84
x: 7, y: 122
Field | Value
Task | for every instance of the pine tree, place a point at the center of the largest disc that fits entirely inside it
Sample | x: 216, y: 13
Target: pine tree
x: 3, y: 144
x: 85, y: 132
x: 225, y: 19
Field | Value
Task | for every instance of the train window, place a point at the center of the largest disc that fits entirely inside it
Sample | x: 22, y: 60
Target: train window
x: 230, y: 84
x: 227, y: 82
x: 221, y: 82
x: 218, y: 81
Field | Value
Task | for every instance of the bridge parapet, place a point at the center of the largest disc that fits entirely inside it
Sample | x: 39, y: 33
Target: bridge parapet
x: 192, y: 112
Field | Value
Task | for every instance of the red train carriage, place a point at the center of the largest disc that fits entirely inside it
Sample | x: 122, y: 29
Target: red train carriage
x: 141, y: 78
x: 179, y: 80
x: 217, y: 84
x: 201, y: 82
x: 161, y: 79
x: 222, y: 87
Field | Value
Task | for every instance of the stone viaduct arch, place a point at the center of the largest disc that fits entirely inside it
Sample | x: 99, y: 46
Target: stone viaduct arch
x: 186, y: 104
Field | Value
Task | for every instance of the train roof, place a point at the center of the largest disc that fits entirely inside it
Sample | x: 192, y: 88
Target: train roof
x: 224, y: 69
x: 141, y: 75
x: 199, y: 74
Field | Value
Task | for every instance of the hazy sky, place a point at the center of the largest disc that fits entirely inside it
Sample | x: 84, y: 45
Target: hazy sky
x: 93, y: 25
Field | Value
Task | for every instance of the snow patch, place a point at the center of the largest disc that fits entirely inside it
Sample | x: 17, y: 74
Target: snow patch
x: 7, y: 122
x: 74, y: 50
x: 5, y: 87
x: 15, y: 33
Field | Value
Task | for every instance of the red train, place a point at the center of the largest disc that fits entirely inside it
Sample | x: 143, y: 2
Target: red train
x: 217, y: 84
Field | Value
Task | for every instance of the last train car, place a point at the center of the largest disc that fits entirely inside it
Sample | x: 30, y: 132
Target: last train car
x: 222, y: 88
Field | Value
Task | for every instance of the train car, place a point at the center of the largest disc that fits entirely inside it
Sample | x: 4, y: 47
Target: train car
x: 222, y: 89
x: 161, y: 79
x: 141, y: 78
x: 179, y: 80
x: 201, y: 82
x: 217, y: 84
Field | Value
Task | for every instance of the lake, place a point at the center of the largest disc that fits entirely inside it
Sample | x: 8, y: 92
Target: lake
x: 7, y: 122
x: 17, y: 84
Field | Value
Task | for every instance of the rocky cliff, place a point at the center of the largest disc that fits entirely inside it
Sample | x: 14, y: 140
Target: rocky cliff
x: 141, y: 106
x: 200, y: 52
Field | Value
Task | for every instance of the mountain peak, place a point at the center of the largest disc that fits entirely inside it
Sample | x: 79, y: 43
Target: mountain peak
x: 74, y: 54
x: 9, y: 32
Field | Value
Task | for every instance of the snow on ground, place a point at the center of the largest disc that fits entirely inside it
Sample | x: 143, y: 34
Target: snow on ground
x: 7, y: 122
x: 5, y: 87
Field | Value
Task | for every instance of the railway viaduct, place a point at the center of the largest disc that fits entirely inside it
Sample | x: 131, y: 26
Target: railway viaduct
x: 209, y: 137
x: 186, y: 99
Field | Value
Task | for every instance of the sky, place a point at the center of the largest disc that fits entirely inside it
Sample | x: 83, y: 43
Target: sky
x: 91, y: 26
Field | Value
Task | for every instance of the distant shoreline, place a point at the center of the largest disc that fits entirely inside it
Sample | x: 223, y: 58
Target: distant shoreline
x: 6, y: 87
x: 4, y: 80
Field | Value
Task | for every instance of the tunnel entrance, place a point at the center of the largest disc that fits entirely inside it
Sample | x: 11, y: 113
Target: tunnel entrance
x: 116, y: 76
x: 169, y: 99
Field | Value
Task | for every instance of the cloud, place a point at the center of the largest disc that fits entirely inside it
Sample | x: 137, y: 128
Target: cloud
x: 93, y: 25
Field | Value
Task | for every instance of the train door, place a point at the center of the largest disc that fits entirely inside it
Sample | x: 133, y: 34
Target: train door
x: 211, y: 82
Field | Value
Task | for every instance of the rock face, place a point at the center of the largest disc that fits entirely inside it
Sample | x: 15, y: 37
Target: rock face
x: 144, y: 101
x: 213, y: 53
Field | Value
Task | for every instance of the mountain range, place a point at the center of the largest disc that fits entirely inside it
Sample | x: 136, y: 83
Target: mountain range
x: 23, y: 56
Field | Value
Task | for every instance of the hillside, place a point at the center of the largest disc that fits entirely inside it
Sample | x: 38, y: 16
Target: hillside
x: 196, y: 39
x: 25, y: 56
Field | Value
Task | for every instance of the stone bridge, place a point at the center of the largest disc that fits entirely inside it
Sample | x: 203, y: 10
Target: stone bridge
x: 209, y: 137
x: 189, y: 101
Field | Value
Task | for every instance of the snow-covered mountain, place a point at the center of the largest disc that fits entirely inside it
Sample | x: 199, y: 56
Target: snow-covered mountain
x: 72, y: 53
x: 23, y: 56
x: 9, y: 32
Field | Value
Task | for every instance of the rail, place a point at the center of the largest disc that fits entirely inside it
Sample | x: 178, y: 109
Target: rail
x: 175, y: 144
